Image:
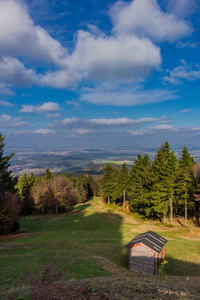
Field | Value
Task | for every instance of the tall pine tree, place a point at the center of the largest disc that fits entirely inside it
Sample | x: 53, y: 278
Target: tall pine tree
x: 140, y: 184
x: 163, y: 172
x: 186, y: 181
x: 9, y: 205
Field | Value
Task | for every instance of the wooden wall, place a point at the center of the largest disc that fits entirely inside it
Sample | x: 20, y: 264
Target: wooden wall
x: 142, y: 260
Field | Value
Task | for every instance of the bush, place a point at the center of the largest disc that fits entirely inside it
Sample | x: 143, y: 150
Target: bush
x: 9, y: 212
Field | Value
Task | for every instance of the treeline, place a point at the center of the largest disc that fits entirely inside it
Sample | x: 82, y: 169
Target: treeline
x: 54, y: 193
x: 163, y: 188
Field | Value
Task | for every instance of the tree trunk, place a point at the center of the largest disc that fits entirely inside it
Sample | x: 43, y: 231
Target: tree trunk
x: 186, y: 210
x: 108, y: 199
x: 164, y: 219
x: 56, y: 206
x: 114, y: 202
x: 171, y: 210
x: 124, y: 199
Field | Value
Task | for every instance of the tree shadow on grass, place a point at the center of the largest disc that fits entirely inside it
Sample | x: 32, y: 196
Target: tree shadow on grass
x: 181, y: 268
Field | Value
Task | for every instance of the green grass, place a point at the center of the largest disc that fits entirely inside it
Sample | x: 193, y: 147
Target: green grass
x: 65, y: 247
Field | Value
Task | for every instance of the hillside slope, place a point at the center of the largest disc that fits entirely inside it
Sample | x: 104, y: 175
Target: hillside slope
x: 81, y: 255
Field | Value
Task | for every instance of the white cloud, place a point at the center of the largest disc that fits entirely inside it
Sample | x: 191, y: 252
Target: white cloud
x: 44, y: 131
x: 166, y: 130
x: 73, y: 103
x: 102, y: 57
x: 21, y: 37
x: 186, y: 110
x: 54, y: 116
x: 127, y: 54
x: 13, y: 71
x: 145, y: 18
x: 5, y: 90
x: 9, y: 121
x: 104, y: 123
x: 95, y: 57
x: 184, y: 71
x: 82, y: 131
x: 126, y: 96
x: 182, y: 8
x: 47, y: 107
x: 5, y: 103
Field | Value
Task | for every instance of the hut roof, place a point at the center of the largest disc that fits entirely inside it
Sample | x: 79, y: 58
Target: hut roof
x: 150, y: 239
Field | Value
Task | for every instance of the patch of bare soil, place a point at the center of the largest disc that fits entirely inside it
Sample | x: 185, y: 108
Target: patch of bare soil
x: 115, y: 288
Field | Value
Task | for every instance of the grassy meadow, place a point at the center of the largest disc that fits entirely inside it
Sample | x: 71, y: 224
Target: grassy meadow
x: 87, y: 242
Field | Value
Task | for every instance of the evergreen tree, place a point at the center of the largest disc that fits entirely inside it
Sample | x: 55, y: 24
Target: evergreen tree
x: 47, y: 175
x: 140, y: 184
x: 107, y: 183
x: 186, y: 181
x: 23, y: 187
x: 31, y: 180
x: 7, y: 181
x: 116, y: 188
x: 9, y: 205
x: 163, y: 172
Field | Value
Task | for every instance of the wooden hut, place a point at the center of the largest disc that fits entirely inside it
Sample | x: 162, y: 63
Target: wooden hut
x: 146, y: 252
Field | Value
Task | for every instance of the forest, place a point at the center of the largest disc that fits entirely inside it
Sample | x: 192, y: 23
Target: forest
x: 165, y: 188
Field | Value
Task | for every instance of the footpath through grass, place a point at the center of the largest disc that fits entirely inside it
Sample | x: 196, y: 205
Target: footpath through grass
x: 75, y: 246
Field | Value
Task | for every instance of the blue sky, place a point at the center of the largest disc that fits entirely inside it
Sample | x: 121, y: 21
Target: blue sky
x: 97, y: 73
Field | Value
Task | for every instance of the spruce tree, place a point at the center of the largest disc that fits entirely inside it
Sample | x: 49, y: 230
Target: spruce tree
x: 47, y: 175
x: 140, y: 184
x: 186, y: 181
x: 163, y: 172
x: 9, y: 205
x: 7, y: 181
x: 107, y: 183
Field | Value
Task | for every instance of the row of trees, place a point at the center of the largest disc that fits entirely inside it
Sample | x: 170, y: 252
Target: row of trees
x: 54, y: 193
x: 157, y: 189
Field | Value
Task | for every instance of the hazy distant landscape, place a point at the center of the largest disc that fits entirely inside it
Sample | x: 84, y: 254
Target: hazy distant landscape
x: 89, y: 161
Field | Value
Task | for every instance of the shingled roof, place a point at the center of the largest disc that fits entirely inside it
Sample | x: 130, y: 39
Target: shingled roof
x: 150, y: 239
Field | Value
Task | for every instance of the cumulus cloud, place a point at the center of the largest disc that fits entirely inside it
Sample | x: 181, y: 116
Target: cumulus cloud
x: 126, y: 96
x: 96, y: 56
x: 9, y: 121
x: 121, y: 57
x: 128, y: 53
x: 184, y: 71
x: 182, y: 8
x: 21, y: 37
x: 13, y: 71
x: 47, y: 107
x: 145, y: 18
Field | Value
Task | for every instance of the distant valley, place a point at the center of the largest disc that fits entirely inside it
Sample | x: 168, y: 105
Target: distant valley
x: 89, y: 161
